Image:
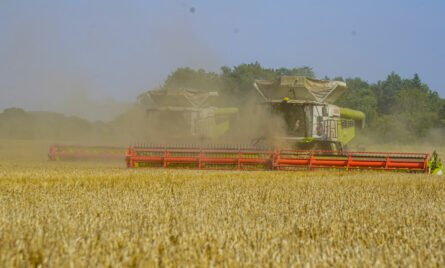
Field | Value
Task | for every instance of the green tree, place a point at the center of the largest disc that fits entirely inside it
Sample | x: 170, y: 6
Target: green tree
x: 238, y: 81
x: 303, y: 71
x: 441, y: 114
x: 16, y: 123
x: 360, y: 97
x: 389, y: 128
x: 187, y: 78
x: 413, y: 110
x: 386, y: 92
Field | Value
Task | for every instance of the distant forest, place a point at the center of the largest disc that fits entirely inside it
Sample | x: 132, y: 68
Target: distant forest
x: 398, y: 110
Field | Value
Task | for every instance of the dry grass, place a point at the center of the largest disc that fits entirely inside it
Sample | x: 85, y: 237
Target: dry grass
x: 58, y: 214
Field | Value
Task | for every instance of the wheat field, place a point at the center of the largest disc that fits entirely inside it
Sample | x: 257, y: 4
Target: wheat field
x: 77, y: 215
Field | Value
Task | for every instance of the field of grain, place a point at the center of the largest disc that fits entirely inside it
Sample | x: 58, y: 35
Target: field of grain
x: 73, y: 214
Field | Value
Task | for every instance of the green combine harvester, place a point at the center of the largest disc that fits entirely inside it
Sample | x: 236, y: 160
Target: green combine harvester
x: 312, y: 121
x: 187, y: 116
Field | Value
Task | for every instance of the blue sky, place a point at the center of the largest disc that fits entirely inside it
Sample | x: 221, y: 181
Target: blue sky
x: 53, y: 51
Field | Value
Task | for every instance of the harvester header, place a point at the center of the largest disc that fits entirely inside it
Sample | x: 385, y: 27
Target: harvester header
x: 231, y: 158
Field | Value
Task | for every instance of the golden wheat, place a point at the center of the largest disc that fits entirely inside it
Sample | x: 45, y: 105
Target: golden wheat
x: 58, y: 215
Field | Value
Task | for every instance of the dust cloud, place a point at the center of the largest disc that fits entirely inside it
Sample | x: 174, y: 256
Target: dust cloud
x: 95, y: 67
x: 74, y: 80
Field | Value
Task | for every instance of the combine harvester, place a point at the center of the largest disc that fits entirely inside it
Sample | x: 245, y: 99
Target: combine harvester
x: 173, y: 112
x: 317, y: 134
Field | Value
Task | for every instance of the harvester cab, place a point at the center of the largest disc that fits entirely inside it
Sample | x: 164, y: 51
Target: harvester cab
x: 312, y: 122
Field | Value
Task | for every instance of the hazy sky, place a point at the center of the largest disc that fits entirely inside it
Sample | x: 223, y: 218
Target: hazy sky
x: 54, y: 51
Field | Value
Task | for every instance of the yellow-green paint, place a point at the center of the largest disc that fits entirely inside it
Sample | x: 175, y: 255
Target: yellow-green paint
x: 351, y: 114
x: 345, y: 134
x: 308, y: 139
x: 218, y: 130
x: 226, y: 111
